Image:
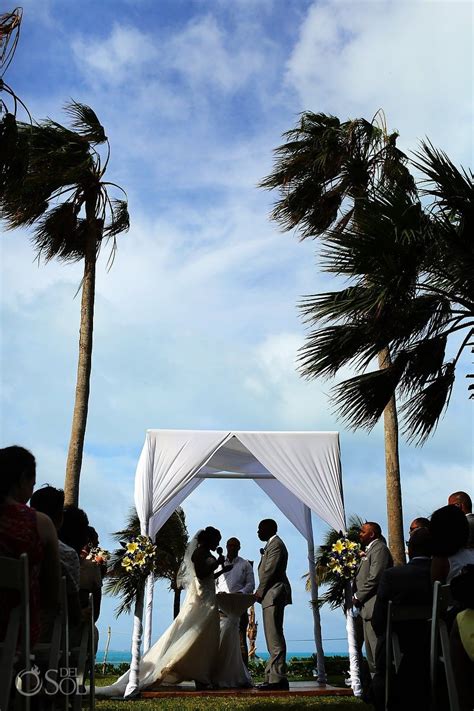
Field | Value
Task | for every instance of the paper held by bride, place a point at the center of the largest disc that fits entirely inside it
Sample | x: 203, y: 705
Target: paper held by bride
x: 299, y: 471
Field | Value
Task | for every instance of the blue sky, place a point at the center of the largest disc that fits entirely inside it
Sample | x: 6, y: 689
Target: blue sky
x: 196, y: 323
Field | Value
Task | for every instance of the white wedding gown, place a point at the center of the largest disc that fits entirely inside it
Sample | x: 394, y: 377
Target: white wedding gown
x: 196, y: 646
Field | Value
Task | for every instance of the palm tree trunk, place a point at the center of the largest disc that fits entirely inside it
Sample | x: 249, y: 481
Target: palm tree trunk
x: 81, y: 403
x: 392, y: 473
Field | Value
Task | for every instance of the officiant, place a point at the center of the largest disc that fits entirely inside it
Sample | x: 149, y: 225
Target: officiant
x: 239, y: 579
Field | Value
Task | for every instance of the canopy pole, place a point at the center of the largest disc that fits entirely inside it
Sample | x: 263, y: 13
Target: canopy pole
x: 322, y: 678
x: 149, y: 589
x: 133, y: 682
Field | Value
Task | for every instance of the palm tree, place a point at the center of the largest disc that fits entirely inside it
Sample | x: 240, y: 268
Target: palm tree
x: 409, y: 265
x: 171, y: 541
x: 335, y: 594
x: 324, y: 172
x: 56, y: 185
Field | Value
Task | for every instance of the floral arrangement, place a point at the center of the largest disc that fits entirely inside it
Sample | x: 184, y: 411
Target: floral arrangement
x: 343, y: 558
x: 140, y: 556
x: 99, y: 556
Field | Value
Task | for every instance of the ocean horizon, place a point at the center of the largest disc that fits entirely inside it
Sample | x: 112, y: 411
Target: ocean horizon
x: 117, y: 656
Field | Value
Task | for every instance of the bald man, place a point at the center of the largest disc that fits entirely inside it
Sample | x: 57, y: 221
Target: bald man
x: 376, y: 560
x: 239, y: 579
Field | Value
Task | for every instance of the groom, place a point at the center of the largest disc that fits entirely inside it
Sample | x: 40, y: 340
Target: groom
x: 273, y: 592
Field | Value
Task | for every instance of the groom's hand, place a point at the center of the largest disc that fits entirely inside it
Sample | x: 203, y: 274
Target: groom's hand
x: 226, y: 568
x: 258, y: 597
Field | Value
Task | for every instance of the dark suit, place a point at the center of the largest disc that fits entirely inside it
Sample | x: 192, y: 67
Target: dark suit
x: 408, y: 584
x: 275, y: 592
x: 377, y: 559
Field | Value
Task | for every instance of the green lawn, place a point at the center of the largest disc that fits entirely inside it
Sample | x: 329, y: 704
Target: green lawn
x: 207, y: 703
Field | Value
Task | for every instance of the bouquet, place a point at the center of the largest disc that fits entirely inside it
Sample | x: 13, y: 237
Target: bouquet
x: 99, y: 556
x: 139, y: 558
x: 343, y: 558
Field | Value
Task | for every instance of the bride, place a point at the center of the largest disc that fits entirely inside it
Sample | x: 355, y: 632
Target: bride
x: 191, y: 648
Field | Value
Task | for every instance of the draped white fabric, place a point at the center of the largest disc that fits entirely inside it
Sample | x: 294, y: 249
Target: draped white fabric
x: 308, y: 464
x: 169, y: 461
x: 293, y: 508
x: 297, y: 470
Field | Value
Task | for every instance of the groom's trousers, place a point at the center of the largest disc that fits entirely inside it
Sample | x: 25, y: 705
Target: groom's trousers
x: 275, y: 670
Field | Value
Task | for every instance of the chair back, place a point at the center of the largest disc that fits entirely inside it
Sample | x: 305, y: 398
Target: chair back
x: 440, y: 651
x: 15, y: 647
x: 393, y: 653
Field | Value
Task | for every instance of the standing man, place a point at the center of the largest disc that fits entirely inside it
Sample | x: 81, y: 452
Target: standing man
x: 377, y: 558
x: 463, y: 501
x: 273, y: 592
x: 239, y: 579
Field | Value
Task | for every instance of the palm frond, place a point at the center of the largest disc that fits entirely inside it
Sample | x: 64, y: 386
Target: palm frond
x: 422, y: 412
x: 84, y: 121
x: 360, y: 401
x: 119, y: 219
x: 328, y: 349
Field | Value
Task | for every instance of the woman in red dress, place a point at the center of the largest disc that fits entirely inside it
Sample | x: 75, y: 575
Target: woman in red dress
x: 23, y: 530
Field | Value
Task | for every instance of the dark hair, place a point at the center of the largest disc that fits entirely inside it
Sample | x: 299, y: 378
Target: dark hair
x: 207, y: 535
x: 421, y: 522
x: 420, y: 543
x: 375, y: 528
x: 449, y: 530
x: 93, y: 537
x: 15, y: 461
x: 49, y: 501
x: 74, y: 531
x: 269, y: 525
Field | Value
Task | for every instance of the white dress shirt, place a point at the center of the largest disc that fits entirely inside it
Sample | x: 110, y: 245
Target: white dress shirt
x: 240, y: 579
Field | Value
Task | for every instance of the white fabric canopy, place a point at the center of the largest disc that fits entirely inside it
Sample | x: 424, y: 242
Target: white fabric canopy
x: 299, y: 471
x: 305, y: 464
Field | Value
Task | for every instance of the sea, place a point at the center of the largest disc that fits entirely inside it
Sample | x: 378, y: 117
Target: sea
x: 122, y: 656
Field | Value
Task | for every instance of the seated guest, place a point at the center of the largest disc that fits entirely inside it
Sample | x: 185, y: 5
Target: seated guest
x: 91, y: 574
x: 408, y: 584
x: 50, y: 501
x: 24, y: 530
x: 462, y: 637
x: 463, y: 501
x: 419, y: 522
x: 74, y: 532
x: 450, y: 534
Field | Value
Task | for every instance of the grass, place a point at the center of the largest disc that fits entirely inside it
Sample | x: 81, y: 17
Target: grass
x: 207, y: 703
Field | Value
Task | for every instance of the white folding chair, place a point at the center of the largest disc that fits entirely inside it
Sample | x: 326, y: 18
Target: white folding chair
x: 393, y: 653
x: 440, y: 652
x: 15, y: 647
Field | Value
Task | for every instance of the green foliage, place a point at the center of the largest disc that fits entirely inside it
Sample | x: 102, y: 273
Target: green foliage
x: 335, y: 586
x: 171, y: 541
x: 51, y: 177
x: 407, y: 256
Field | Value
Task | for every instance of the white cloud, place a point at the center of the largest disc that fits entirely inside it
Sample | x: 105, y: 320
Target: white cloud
x: 117, y: 58
x: 409, y: 58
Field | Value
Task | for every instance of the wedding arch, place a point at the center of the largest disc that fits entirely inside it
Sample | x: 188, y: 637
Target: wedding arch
x: 299, y: 471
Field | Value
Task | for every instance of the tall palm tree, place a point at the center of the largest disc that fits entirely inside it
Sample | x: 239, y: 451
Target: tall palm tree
x: 324, y: 172
x: 171, y: 541
x: 57, y: 186
x: 409, y: 264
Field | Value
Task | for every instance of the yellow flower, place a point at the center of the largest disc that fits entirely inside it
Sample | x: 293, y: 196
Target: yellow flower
x: 338, y: 546
x: 351, y: 545
x: 131, y: 547
x: 127, y: 563
x: 140, y: 558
